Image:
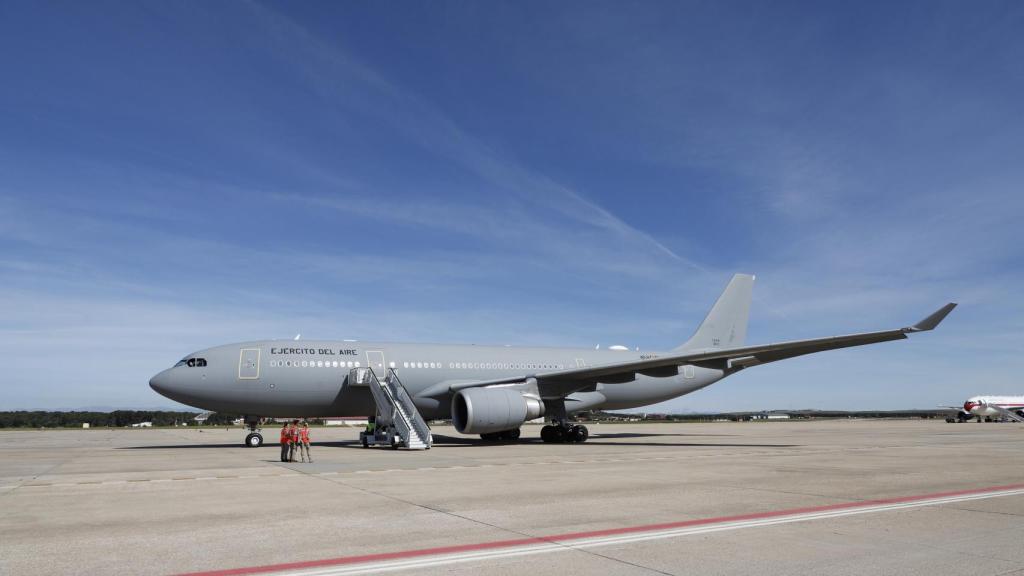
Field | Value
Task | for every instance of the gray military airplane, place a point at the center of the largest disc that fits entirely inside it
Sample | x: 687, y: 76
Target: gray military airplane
x: 486, y: 390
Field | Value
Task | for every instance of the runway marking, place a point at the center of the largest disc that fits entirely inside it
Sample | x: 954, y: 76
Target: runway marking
x: 445, y: 555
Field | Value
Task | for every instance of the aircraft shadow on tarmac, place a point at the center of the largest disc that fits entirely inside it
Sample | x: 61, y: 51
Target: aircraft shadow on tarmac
x: 442, y: 441
x: 177, y: 446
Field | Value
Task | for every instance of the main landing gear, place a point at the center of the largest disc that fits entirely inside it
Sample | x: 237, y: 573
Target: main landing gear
x: 254, y: 439
x: 564, y: 432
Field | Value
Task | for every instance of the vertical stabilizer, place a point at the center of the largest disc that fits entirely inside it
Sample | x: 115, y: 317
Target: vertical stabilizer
x: 726, y: 324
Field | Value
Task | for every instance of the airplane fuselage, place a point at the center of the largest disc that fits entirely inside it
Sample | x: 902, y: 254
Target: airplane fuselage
x: 985, y: 406
x: 311, y: 378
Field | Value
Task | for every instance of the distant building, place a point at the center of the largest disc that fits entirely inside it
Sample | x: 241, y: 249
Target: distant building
x: 143, y: 425
x: 773, y: 415
x: 86, y: 425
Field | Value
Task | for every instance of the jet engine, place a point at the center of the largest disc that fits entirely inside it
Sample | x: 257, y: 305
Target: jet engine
x: 485, y: 410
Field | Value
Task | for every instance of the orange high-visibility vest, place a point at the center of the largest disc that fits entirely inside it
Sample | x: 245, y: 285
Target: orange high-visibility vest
x: 284, y: 436
x: 295, y: 434
x: 304, y: 435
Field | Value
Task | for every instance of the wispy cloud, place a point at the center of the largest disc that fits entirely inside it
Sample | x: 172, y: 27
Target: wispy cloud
x: 333, y: 71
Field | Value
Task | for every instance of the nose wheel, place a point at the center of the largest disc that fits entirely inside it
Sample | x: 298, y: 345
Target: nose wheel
x: 254, y: 439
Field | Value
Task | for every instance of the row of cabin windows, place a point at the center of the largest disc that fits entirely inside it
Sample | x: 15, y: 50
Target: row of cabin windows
x: 313, y: 364
x: 483, y: 366
x: 417, y: 365
x: 687, y: 370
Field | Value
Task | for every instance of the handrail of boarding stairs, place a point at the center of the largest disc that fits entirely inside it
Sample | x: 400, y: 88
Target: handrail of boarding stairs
x: 386, y: 395
x: 404, y: 400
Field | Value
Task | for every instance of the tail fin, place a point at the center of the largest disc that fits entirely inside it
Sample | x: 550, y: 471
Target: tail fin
x: 726, y: 324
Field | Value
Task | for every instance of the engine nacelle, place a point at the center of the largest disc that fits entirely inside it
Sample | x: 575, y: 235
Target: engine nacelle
x: 485, y: 410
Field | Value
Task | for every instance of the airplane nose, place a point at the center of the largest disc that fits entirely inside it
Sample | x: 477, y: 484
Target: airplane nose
x: 161, y: 383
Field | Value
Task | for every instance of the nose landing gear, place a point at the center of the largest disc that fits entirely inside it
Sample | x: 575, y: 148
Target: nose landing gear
x: 254, y: 439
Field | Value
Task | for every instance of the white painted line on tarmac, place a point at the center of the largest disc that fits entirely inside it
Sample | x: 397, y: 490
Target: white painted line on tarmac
x: 556, y: 544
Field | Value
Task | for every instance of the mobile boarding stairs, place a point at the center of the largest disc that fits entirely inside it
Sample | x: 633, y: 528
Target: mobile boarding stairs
x: 398, y: 422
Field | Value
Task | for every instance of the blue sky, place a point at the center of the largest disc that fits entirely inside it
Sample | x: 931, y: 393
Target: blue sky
x: 180, y: 175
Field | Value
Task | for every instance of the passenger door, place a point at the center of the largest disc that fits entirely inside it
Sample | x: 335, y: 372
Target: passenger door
x: 249, y: 364
x: 375, y: 360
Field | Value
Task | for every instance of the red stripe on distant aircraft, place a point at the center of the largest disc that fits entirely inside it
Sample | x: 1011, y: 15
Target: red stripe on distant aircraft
x: 498, y: 544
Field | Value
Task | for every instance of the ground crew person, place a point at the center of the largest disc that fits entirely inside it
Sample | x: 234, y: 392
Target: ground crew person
x: 293, y: 439
x: 371, y: 425
x: 303, y: 445
x: 285, y: 440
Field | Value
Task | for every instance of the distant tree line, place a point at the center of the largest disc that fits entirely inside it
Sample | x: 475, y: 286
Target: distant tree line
x: 117, y: 419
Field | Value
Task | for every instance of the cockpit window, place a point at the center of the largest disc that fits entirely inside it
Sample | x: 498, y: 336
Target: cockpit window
x: 192, y: 362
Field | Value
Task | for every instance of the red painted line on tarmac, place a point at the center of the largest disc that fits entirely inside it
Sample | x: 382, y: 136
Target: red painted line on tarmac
x: 498, y: 544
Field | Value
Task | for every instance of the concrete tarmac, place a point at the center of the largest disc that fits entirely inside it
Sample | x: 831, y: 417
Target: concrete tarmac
x: 169, y: 501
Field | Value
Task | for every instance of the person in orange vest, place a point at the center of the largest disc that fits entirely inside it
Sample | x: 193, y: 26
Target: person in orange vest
x: 286, y: 437
x: 303, y: 445
x: 295, y: 440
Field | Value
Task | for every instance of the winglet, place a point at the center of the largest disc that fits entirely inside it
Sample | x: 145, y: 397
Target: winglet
x: 932, y: 321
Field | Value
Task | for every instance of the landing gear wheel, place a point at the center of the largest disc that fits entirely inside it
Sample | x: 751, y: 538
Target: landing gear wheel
x: 513, y: 434
x: 490, y: 436
x: 546, y: 434
x: 579, y: 434
x: 254, y: 440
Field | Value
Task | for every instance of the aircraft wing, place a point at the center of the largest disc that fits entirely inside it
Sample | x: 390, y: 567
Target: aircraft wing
x: 561, y: 383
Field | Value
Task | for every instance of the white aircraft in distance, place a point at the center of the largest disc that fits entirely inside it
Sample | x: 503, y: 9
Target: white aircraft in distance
x: 991, y: 408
